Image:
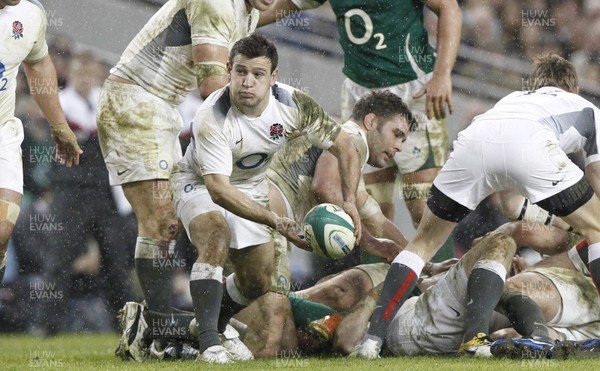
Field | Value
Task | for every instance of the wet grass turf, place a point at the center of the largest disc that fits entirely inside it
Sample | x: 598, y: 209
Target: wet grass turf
x: 96, y: 352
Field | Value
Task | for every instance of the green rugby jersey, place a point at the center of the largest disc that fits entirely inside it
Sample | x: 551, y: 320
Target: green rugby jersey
x: 384, y: 41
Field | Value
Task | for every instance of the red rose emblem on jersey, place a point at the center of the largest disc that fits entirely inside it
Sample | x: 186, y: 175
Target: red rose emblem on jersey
x: 17, y: 29
x: 276, y: 131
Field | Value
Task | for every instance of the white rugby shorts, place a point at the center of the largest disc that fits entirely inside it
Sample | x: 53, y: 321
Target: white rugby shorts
x: 492, y: 156
x: 138, y: 132
x: 11, y: 160
x: 191, y: 199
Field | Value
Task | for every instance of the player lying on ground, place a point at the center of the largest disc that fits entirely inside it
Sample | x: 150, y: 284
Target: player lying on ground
x: 557, y: 295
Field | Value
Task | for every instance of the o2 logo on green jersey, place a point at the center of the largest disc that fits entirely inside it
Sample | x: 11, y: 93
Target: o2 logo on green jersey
x: 368, y: 29
x: 3, y: 80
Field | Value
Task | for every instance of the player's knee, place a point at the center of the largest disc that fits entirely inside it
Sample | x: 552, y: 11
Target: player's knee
x: 504, y: 244
x: 253, y: 286
x: 513, y: 287
x: 161, y: 223
x: 344, y: 344
x: 336, y: 294
x: 6, y: 229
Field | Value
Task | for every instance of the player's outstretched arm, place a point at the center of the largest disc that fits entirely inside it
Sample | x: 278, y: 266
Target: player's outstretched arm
x: 349, y: 174
x: 439, y: 89
x: 41, y: 77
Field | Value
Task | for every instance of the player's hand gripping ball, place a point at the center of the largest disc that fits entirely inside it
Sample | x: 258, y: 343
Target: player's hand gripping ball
x: 329, y: 231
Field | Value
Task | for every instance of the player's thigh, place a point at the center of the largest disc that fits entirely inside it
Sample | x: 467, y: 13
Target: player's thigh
x: 210, y: 235
x: 576, y: 296
x: 497, y: 247
x: 253, y: 266
x: 587, y: 219
x: 153, y: 207
x: 539, y: 288
x: 341, y: 291
x: 266, y: 319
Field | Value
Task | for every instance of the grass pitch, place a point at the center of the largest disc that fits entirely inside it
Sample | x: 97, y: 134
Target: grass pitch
x: 95, y: 352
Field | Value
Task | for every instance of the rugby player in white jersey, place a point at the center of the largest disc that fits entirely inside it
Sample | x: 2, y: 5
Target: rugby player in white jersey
x: 220, y: 190
x: 183, y: 47
x: 23, y: 32
x: 544, y: 303
x: 303, y: 175
x: 520, y: 144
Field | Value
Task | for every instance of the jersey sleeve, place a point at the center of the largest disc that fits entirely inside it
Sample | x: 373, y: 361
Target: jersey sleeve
x: 308, y: 4
x: 359, y: 140
x: 40, y: 48
x: 213, y: 148
x: 320, y: 129
x: 210, y: 21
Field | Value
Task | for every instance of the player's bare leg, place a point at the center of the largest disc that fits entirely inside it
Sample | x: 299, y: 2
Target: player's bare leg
x: 545, y: 239
x: 252, y: 278
x: 415, y: 188
x: 10, y: 206
x: 158, y: 228
x: 513, y: 205
x: 271, y: 329
x: 340, y: 292
x: 354, y: 325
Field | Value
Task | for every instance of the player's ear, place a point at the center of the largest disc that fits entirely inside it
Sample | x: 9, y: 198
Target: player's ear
x: 229, y: 67
x: 274, y: 75
x: 370, y: 121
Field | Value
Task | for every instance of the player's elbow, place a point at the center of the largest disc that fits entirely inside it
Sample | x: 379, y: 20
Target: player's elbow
x: 217, y: 195
x: 319, y: 192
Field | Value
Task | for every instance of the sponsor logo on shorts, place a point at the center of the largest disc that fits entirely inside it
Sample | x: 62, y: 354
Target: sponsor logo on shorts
x: 455, y: 311
x: 163, y: 164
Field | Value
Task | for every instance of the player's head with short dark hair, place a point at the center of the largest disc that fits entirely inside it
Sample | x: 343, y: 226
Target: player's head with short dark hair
x: 384, y: 104
x: 553, y: 70
x: 255, y: 46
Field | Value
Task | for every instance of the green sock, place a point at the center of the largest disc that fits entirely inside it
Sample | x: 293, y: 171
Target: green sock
x: 305, y: 311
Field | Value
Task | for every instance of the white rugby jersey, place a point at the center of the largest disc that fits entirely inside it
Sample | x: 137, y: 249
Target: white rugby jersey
x: 225, y: 141
x: 22, y: 31
x: 159, y: 58
x: 573, y: 119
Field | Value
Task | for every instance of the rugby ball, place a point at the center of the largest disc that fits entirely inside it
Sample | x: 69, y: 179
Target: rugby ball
x: 329, y: 231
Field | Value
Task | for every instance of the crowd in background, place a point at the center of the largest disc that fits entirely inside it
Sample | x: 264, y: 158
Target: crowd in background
x: 524, y: 29
x: 71, y: 258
